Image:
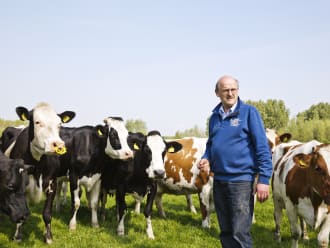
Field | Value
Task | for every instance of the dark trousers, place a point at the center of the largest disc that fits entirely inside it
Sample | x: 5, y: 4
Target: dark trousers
x: 233, y: 203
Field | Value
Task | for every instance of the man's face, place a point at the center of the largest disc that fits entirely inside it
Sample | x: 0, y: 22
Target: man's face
x: 227, y: 92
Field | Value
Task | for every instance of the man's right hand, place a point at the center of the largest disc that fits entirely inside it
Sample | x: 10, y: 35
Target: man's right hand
x: 204, y: 165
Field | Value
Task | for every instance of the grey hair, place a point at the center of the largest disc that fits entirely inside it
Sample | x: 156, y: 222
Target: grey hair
x: 217, y: 87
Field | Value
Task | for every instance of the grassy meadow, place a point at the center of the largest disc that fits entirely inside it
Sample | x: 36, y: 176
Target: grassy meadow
x: 181, y: 229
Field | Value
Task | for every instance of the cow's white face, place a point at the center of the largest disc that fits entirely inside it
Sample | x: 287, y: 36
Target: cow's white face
x: 157, y: 146
x: 46, y: 138
x: 117, y: 146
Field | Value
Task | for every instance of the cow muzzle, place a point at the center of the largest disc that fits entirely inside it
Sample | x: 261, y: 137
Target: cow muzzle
x: 59, y: 149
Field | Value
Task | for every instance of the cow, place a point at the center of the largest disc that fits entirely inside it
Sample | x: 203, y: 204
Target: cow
x: 274, y: 139
x: 13, y: 180
x: 137, y: 176
x: 88, y: 153
x: 35, y: 144
x: 184, y: 178
x: 301, y: 185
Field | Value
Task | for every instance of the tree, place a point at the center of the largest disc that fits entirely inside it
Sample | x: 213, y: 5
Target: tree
x: 192, y: 132
x: 136, y: 126
x: 273, y: 112
x: 320, y: 111
x: 308, y: 130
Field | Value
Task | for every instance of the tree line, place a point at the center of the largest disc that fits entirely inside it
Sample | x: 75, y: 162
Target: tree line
x: 313, y: 123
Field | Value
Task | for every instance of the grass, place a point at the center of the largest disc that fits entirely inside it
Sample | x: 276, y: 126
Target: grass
x: 181, y: 229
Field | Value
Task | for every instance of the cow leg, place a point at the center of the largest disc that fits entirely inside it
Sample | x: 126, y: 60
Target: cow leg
x: 93, y: 202
x: 18, y: 233
x: 278, y: 219
x: 303, y: 227
x: 62, y: 189
x: 159, y: 204
x: 294, y: 225
x: 121, y: 208
x: 190, y: 205
x: 50, y: 192
x: 103, y: 199
x: 75, y: 203
x: 148, y: 209
x: 205, y: 213
x: 323, y: 236
x: 137, y: 208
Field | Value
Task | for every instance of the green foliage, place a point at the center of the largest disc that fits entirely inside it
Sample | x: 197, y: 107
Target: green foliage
x: 308, y: 130
x: 6, y: 123
x: 273, y: 112
x: 192, y: 132
x: 136, y: 126
x: 320, y: 111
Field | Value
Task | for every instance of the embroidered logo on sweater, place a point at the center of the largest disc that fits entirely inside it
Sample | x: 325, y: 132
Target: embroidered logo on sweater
x: 234, y: 122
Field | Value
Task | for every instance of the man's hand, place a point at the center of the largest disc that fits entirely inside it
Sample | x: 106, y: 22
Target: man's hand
x: 262, y: 192
x: 204, y: 165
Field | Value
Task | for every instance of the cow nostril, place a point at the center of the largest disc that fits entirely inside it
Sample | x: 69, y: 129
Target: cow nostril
x: 129, y: 154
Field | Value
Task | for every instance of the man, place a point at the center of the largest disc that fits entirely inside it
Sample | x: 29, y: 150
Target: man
x: 236, y: 152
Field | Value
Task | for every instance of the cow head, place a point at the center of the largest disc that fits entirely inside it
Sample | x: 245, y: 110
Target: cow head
x: 318, y: 163
x: 44, y: 128
x: 151, y: 150
x: 275, y: 139
x: 13, y: 180
x: 117, y: 146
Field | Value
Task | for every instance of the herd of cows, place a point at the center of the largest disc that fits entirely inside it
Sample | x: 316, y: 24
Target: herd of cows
x: 107, y: 159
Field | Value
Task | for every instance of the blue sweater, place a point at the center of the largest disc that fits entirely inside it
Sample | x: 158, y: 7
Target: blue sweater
x: 237, y: 147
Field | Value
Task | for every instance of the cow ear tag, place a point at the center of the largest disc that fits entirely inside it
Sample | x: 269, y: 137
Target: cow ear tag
x: 99, y: 132
x: 302, y: 163
x: 136, y: 147
x: 285, y: 140
x: 23, y: 117
x: 171, y: 149
x: 65, y: 119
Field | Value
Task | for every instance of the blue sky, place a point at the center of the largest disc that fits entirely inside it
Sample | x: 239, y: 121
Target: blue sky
x: 158, y: 61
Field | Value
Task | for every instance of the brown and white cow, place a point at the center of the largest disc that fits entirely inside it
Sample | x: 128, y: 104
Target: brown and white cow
x: 301, y: 185
x: 184, y: 178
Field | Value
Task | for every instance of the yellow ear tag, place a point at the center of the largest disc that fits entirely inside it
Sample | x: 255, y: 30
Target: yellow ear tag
x: 136, y: 147
x: 171, y: 149
x: 285, y: 140
x: 65, y: 119
x: 302, y: 163
x: 23, y: 117
x: 99, y: 132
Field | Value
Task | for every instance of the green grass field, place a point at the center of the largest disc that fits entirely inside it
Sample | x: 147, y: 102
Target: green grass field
x: 181, y: 229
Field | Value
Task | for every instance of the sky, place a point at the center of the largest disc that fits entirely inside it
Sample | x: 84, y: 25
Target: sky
x: 158, y: 61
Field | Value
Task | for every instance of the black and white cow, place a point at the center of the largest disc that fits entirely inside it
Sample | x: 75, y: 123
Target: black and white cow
x: 13, y: 179
x: 137, y: 176
x: 33, y: 144
x: 88, y: 152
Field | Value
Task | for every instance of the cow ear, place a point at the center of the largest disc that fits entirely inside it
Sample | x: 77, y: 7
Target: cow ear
x: 173, y: 147
x: 100, y: 130
x: 302, y: 160
x: 23, y: 113
x: 67, y: 116
x: 285, y: 137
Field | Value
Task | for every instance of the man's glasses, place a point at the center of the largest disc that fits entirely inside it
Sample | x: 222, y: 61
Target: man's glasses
x: 233, y: 90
